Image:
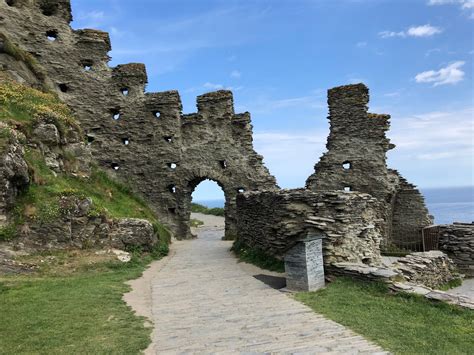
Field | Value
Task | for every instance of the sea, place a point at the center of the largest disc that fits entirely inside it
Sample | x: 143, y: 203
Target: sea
x: 447, y: 204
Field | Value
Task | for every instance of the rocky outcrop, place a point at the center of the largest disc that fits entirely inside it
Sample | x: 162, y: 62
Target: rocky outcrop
x: 457, y: 240
x: 273, y: 221
x: 14, y: 175
x: 431, y: 269
x: 78, y: 226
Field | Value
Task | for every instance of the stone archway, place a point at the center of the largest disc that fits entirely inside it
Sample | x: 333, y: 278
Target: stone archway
x: 231, y: 188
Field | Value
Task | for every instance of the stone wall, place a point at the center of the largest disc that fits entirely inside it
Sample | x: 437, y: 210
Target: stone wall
x: 431, y: 269
x: 141, y: 138
x: 457, y: 240
x: 356, y: 161
x: 273, y: 221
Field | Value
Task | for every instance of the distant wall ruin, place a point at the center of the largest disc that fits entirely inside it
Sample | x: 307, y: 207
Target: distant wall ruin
x: 145, y: 140
x: 141, y: 138
x: 356, y: 161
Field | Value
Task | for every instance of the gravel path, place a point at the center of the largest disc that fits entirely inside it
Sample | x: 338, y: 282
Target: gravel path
x: 202, y: 301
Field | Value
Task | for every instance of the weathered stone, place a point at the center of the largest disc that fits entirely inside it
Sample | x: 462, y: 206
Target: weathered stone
x: 304, y: 265
x: 274, y: 220
x: 141, y: 138
x: 457, y: 240
x: 13, y: 171
x: 356, y: 161
x: 132, y: 232
x: 431, y: 269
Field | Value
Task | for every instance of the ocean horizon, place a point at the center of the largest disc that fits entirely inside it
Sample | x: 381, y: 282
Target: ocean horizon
x: 446, y: 204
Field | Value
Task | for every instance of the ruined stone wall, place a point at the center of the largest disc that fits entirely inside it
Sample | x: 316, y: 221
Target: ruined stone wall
x: 457, y: 240
x: 141, y: 138
x: 356, y: 161
x: 273, y: 221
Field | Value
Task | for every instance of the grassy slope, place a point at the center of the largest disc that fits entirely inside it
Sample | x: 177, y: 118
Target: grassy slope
x: 402, y: 323
x: 23, y: 107
x: 216, y: 211
x: 80, y: 311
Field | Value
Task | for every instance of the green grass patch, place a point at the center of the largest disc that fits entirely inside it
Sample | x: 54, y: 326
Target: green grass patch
x: 450, y: 284
x: 257, y: 257
x: 401, y: 323
x: 72, y: 307
x: 216, y: 211
x: 194, y: 223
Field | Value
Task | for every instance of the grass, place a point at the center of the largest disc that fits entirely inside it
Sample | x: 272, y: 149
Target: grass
x: 401, y: 323
x: 257, y: 258
x: 72, y: 305
x: 196, y: 223
x: 216, y: 211
x: 23, y: 108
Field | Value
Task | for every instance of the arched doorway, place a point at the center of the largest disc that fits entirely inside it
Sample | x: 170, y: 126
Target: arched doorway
x: 185, y: 199
x: 209, y: 195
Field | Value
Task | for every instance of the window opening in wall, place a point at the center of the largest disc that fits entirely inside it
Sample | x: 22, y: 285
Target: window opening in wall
x: 157, y: 114
x: 90, y: 139
x: 169, y: 139
x: 52, y: 35
x: 126, y: 141
x: 63, y: 87
x: 223, y: 164
x: 124, y: 91
x: 172, y: 188
x: 347, y: 165
x: 87, y: 65
x: 10, y: 2
x: 115, y: 114
x: 172, y: 210
x: 347, y: 188
x: 172, y: 165
x: 48, y: 8
x: 115, y: 166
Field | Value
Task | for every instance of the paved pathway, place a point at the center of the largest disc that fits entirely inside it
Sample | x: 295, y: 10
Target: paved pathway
x: 203, y: 301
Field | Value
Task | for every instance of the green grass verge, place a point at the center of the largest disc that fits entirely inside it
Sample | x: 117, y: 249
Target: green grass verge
x: 401, y: 323
x: 216, y: 211
x: 80, y: 312
x: 23, y: 107
x: 257, y: 257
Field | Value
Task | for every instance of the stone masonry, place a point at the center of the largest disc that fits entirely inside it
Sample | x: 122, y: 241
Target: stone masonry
x: 274, y: 221
x: 141, y: 138
x: 356, y: 161
x: 457, y: 240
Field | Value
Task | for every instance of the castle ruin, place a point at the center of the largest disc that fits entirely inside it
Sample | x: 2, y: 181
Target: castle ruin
x: 145, y: 140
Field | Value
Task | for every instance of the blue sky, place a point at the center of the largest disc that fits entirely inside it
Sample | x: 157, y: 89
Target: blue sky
x: 280, y: 57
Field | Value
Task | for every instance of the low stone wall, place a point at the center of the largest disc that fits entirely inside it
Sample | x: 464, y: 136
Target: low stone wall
x: 273, y: 221
x: 77, y: 227
x: 457, y: 240
x: 431, y: 268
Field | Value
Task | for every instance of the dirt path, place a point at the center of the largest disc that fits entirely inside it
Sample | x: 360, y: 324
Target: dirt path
x: 202, y: 301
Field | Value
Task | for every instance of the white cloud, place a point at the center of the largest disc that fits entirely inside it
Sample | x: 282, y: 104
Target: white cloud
x: 434, y: 135
x: 235, y: 74
x: 414, y: 31
x: 361, y: 44
x: 464, y: 4
x: 451, y: 74
x: 423, y: 31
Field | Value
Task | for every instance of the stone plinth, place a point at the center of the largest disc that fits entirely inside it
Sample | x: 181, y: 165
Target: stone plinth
x: 304, y: 265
